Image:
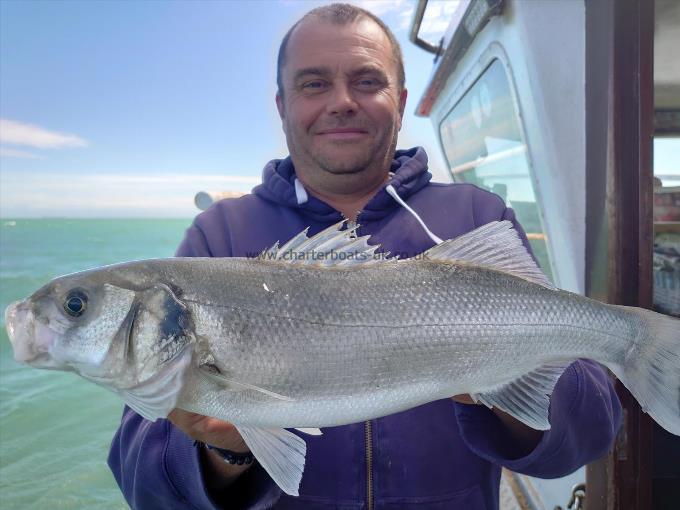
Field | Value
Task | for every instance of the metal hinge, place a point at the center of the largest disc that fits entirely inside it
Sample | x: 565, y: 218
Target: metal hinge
x: 578, y: 498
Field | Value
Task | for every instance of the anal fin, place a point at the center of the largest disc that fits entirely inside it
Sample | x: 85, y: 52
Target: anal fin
x: 309, y: 431
x: 280, y: 452
x: 526, y: 398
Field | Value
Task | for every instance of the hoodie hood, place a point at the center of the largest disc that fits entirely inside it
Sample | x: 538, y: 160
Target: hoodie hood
x: 408, y: 175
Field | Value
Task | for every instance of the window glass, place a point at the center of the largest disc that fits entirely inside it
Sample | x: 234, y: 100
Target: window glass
x: 667, y: 225
x: 483, y: 145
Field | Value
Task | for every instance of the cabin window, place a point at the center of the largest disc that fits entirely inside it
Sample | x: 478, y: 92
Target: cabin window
x: 667, y: 225
x: 483, y: 144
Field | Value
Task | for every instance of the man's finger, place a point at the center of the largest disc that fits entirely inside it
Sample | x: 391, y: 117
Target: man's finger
x: 184, y: 419
x: 463, y: 399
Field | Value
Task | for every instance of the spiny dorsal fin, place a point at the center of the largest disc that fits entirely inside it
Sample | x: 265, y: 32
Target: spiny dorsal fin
x: 495, y: 245
x: 331, y: 247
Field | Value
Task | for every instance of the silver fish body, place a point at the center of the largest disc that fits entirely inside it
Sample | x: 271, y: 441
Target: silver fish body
x: 270, y: 343
x: 345, y: 345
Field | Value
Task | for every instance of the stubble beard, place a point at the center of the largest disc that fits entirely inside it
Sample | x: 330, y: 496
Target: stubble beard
x: 356, y: 163
x: 343, y: 166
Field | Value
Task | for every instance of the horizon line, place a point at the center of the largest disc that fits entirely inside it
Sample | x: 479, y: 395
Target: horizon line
x: 14, y: 218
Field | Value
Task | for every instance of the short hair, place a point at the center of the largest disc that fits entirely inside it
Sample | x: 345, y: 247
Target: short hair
x: 341, y: 14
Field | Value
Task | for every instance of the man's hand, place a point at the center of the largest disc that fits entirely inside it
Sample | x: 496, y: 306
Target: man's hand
x: 527, y: 438
x: 218, y: 474
x: 463, y: 399
x: 208, y: 430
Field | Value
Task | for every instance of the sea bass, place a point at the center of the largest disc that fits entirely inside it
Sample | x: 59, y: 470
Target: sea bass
x: 323, y: 332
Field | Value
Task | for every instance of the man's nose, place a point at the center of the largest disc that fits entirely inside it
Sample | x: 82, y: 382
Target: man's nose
x: 341, y: 101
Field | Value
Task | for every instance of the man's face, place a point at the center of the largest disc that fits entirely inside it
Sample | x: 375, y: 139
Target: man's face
x: 341, y: 107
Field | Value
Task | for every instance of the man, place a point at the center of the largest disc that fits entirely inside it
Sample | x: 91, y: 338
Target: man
x: 341, y: 99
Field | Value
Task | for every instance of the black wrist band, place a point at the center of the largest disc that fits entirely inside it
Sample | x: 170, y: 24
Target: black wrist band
x: 228, y: 456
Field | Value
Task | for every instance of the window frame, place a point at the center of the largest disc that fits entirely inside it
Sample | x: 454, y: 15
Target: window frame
x: 495, y: 52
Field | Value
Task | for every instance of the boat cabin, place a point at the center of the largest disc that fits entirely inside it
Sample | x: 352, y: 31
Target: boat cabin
x: 559, y: 107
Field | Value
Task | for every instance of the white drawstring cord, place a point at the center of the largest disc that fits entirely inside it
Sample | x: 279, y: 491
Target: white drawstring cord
x: 300, y: 192
x: 393, y: 193
x: 302, y: 197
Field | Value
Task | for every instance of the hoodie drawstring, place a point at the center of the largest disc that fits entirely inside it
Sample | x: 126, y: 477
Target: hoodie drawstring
x: 393, y: 193
x: 302, y: 197
x: 300, y: 192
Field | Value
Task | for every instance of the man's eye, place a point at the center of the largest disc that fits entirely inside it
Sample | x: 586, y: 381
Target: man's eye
x: 313, y: 85
x: 368, y: 83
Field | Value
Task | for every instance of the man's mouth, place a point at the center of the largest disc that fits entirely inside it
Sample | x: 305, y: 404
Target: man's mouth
x: 342, y: 134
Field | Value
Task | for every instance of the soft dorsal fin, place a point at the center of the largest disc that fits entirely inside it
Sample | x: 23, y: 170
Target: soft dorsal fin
x: 495, y: 245
x: 331, y: 247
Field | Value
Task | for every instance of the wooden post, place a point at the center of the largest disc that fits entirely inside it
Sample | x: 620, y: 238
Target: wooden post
x: 625, y: 29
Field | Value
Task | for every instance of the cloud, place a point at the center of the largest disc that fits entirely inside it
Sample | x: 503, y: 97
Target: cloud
x: 378, y: 7
x: 406, y: 18
x: 436, y: 20
x: 211, y: 179
x: 437, y: 17
x: 69, y: 194
x: 19, y: 133
x: 6, y: 152
x: 382, y: 7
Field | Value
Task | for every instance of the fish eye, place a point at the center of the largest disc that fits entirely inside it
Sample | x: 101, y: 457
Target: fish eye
x: 75, y: 303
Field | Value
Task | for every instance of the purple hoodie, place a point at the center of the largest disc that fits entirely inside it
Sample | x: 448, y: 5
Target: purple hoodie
x: 441, y: 455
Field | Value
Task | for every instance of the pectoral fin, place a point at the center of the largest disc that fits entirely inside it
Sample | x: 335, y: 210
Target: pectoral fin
x: 527, y: 398
x: 213, y: 373
x: 280, y: 452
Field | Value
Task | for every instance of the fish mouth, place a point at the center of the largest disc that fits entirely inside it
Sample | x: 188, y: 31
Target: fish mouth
x: 16, y: 316
x: 27, y: 347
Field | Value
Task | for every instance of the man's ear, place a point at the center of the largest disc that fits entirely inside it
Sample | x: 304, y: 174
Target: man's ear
x: 402, y: 105
x: 282, y: 111
x: 280, y: 107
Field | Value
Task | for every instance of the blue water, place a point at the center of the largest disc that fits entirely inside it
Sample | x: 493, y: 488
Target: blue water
x: 55, y: 428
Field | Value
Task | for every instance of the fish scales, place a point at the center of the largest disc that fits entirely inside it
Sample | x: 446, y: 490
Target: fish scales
x: 431, y: 328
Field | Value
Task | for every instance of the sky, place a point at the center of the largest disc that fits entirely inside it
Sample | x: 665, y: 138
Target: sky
x: 128, y: 108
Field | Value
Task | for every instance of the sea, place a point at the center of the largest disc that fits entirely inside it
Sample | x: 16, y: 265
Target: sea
x: 56, y: 428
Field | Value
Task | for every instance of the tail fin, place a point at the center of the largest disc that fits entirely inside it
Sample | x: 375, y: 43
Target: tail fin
x: 651, y: 370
